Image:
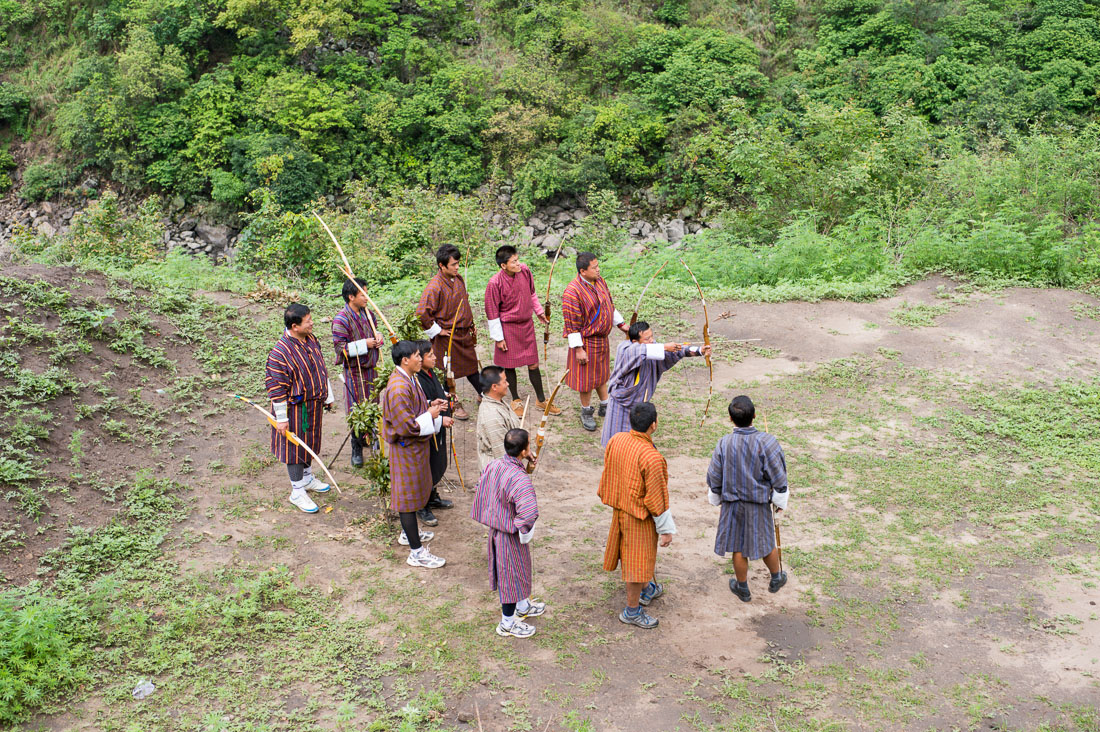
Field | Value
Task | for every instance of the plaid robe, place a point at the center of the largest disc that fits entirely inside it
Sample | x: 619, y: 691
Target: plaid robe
x: 494, y: 419
x: 505, y: 502
x: 359, y: 371
x: 745, y: 468
x: 439, y: 303
x: 512, y: 300
x: 296, y: 374
x: 588, y: 310
x: 633, y: 381
x: 410, y: 472
x: 634, y: 483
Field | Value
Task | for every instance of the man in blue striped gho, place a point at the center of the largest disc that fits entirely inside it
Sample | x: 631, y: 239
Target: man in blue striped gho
x: 505, y: 502
x: 747, y: 474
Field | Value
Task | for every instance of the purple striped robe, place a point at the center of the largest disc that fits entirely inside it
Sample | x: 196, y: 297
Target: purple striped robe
x: 505, y: 502
x: 633, y: 381
x: 296, y: 374
x: 512, y: 300
x: 359, y: 371
x: 410, y: 468
x: 446, y: 303
x: 588, y: 310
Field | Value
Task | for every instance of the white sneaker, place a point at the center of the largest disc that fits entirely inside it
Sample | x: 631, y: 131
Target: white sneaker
x: 302, y: 500
x: 425, y: 537
x: 518, y: 629
x: 534, y: 609
x: 317, y: 486
x: 424, y: 558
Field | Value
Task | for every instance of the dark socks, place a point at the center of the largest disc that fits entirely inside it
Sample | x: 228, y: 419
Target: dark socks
x: 536, y: 381
x: 513, y: 383
x: 508, y: 609
x: 296, y: 471
x: 411, y: 529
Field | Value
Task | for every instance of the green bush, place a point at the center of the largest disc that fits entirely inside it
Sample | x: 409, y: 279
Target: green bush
x: 103, y: 233
x: 15, y: 102
x: 7, y: 163
x: 43, y: 180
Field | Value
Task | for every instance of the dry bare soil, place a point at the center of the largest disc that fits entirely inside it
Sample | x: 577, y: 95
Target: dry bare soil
x: 943, y: 454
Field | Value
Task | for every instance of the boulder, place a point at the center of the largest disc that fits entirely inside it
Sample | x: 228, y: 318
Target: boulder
x: 67, y: 214
x: 47, y: 208
x: 536, y: 223
x: 563, y: 217
x: 187, y: 235
x: 188, y: 224
x: 674, y: 230
x: 176, y: 205
x: 551, y: 242
x: 579, y: 214
x: 214, y: 234
x: 537, y: 241
x: 45, y: 229
x: 528, y: 232
x: 553, y: 210
x: 694, y: 227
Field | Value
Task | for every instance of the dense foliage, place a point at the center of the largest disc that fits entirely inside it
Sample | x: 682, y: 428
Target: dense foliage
x: 955, y: 134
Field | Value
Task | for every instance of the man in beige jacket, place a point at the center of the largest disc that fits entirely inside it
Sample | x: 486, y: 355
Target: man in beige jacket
x: 494, y: 417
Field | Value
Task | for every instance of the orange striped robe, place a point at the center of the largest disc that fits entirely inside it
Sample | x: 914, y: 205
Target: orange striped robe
x: 635, y: 484
x: 587, y: 309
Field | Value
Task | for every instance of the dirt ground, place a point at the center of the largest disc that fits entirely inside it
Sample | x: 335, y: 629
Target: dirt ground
x: 623, y: 678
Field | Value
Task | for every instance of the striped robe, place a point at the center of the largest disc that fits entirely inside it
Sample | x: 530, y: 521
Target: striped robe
x: 441, y: 300
x: 634, y: 483
x: 410, y: 472
x: 359, y: 371
x: 633, y: 381
x: 505, y: 502
x: 511, y: 299
x: 296, y: 374
x: 745, y: 468
x: 588, y: 310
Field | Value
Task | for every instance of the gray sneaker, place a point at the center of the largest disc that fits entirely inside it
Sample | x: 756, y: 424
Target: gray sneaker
x: 588, y: 421
x: 642, y: 619
x: 603, y: 409
x: 651, y: 592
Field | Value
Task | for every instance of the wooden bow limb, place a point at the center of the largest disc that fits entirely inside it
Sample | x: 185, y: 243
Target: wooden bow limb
x: 637, y: 305
x: 347, y: 271
x: 775, y: 522
x: 706, y: 340
x: 540, y: 435
x: 523, y: 417
x: 454, y: 455
x: 291, y: 438
x: 546, y: 306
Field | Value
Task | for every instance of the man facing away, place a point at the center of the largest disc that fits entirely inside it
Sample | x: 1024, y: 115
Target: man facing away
x: 356, y: 342
x: 494, y: 417
x: 510, y: 300
x: 747, y: 474
x: 297, y: 384
x: 589, y: 316
x: 408, y: 423
x: 505, y: 502
x: 639, y: 365
x: 444, y: 307
x: 635, y: 484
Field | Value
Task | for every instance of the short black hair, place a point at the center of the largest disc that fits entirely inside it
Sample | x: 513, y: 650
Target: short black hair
x: 515, y: 442
x: 642, y: 416
x: 294, y: 314
x: 423, y: 346
x: 402, y: 350
x: 491, y: 375
x: 349, y: 289
x: 584, y: 259
x: 446, y: 253
x: 636, y: 330
x: 742, y: 411
x: 505, y: 253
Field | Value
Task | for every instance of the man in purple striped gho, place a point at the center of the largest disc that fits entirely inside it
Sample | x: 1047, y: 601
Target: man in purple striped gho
x: 297, y: 383
x: 747, y: 474
x: 505, y: 502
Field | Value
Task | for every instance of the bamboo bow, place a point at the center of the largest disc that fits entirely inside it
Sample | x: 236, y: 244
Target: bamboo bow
x: 292, y: 438
x: 706, y: 340
x: 540, y: 436
x: 546, y: 306
x: 637, y: 305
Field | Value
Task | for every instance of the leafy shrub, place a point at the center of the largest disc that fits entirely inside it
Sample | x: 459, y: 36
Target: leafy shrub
x: 7, y: 163
x: 15, y: 102
x: 43, y: 180
x: 103, y: 232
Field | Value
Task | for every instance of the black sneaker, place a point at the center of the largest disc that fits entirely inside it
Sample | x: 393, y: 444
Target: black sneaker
x: 356, y: 452
x: 603, y: 410
x: 778, y: 581
x: 426, y: 517
x: 437, y: 501
x: 742, y: 592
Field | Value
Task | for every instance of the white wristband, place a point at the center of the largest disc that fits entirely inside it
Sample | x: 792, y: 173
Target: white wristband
x: 279, y: 408
x: 655, y: 351
x: 617, y: 318
x: 779, y: 498
x: 526, y: 538
x: 331, y: 397
x: 358, y: 348
x: 575, y: 340
x: 433, y: 331
x: 664, y: 523
x: 426, y: 424
x: 496, y: 331
x: 715, y: 499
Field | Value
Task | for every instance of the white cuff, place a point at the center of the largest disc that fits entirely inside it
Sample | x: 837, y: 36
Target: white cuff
x: 433, y: 331
x: 279, y: 408
x: 715, y: 499
x: 438, y: 424
x: 779, y: 498
x: 331, y: 397
x: 694, y: 350
x: 526, y: 538
x: 426, y: 423
x: 664, y: 522
x: 496, y: 331
x: 358, y: 348
x: 575, y: 340
x: 655, y: 351
x: 617, y: 318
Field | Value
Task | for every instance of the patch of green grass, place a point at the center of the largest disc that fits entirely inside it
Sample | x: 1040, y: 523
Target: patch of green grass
x: 918, y: 315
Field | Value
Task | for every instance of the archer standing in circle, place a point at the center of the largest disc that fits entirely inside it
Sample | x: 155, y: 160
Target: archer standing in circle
x: 639, y: 365
x: 589, y: 317
x: 445, y: 307
x: 356, y: 341
x: 510, y: 300
x: 297, y: 383
x: 437, y: 455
